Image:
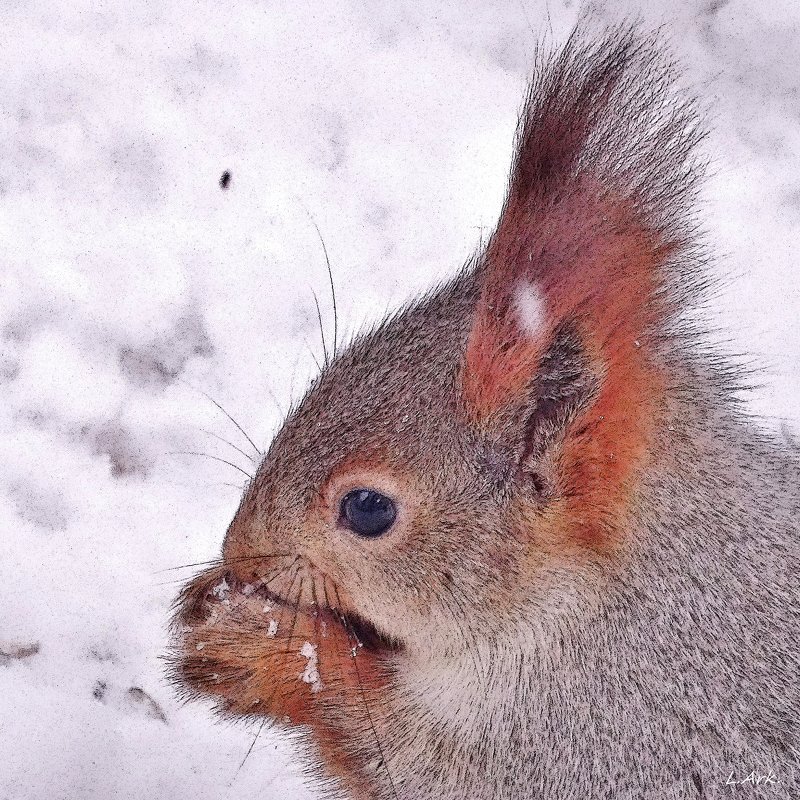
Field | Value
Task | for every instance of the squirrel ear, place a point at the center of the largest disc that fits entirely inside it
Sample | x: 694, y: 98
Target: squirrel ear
x: 576, y: 281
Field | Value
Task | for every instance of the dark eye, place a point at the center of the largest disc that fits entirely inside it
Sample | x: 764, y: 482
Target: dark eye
x: 367, y: 513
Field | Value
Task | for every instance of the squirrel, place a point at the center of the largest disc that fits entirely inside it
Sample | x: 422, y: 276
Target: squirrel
x: 521, y: 540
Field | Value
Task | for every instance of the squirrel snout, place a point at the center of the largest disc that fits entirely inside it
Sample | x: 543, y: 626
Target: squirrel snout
x: 270, y: 651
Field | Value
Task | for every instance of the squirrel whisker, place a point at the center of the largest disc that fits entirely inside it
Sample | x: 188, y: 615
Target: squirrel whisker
x: 355, y: 645
x: 222, y: 439
x: 250, y: 749
x: 215, y: 562
x: 213, y: 457
x: 220, y: 407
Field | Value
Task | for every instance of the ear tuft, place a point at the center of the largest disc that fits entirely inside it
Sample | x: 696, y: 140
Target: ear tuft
x: 597, y: 213
x: 594, y: 238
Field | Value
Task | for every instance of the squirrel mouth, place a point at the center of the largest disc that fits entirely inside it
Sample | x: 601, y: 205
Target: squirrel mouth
x: 360, y: 630
x: 219, y: 587
x: 363, y: 633
x: 254, y: 651
x: 366, y: 635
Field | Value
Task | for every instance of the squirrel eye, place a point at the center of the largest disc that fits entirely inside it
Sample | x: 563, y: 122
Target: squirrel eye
x: 367, y: 513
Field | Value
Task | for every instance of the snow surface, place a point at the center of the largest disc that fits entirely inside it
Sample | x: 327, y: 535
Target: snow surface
x: 131, y: 281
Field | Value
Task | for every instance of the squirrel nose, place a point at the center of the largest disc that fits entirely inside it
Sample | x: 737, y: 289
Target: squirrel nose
x: 252, y: 548
x: 245, y: 543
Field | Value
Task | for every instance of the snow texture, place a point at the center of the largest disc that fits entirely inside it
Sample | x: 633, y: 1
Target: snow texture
x: 135, y: 277
x: 530, y: 308
x: 311, y: 672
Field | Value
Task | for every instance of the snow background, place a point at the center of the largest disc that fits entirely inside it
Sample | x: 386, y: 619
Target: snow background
x: 130, y: 280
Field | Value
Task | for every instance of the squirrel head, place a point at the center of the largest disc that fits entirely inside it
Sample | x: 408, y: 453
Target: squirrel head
x: 446, y: 467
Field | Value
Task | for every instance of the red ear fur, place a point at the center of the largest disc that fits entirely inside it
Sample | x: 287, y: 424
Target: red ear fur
x: 593, y: 224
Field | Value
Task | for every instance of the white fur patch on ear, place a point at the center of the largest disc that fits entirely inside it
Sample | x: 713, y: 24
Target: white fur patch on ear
x: 530, y: 308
